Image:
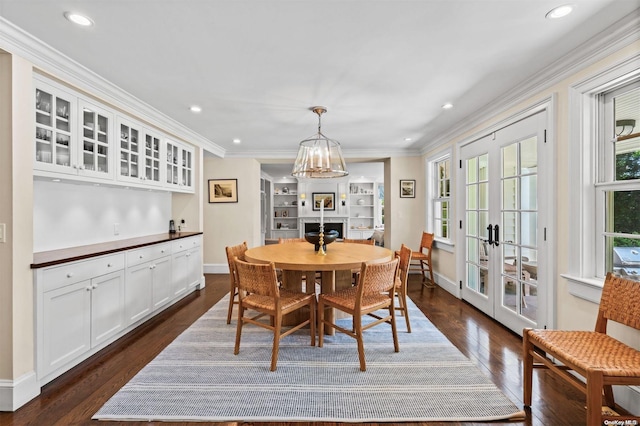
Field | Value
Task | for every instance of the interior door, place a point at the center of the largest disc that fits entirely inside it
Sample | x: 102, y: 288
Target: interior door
x: 502, y: 233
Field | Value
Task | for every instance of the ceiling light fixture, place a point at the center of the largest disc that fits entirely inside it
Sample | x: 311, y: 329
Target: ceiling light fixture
x: 319, y: 156
x: 559, y: 12
x: 195, y: 108
x: 78, y: 19
x: 448, y: 105
x: 236, y: 141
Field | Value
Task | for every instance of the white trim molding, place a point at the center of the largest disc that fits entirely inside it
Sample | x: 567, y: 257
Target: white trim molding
x: 15, y: 393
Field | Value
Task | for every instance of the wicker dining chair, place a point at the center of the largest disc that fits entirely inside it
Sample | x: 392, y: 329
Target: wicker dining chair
x: 359, y: 241
x: 421, y: 260
x: 375, y: 291
x: 599, y: 358
x: 259, y: 291
x: 234, y: 251
x: 404, y: 255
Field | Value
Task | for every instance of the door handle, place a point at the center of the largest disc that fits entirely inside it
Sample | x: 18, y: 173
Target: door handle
x: 490, y: 229
x: 496, y: 230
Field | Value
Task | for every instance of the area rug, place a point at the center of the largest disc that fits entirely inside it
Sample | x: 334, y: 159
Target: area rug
x: 197, y: 378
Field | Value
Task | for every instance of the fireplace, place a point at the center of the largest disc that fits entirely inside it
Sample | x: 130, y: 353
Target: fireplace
x: 328, y: 226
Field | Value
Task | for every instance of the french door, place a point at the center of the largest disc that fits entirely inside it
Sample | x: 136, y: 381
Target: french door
x: 504, y: 253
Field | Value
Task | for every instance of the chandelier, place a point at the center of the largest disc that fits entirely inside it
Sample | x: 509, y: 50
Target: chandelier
x: 319, y: 156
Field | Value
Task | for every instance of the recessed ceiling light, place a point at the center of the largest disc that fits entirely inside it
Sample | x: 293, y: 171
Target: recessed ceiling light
x: 408, y: 139
x: 559, y: 12
x: 78, y: 19
x: 236, y: 140
x: 448, y: 105
x: 195, y: 108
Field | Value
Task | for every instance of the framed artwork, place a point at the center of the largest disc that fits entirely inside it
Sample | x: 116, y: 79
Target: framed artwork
x: 223, y: 190
x: 329, y: 200
x: 407, y: 188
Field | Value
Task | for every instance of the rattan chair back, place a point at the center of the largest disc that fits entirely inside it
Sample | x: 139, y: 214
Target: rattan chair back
x: 233, y: 252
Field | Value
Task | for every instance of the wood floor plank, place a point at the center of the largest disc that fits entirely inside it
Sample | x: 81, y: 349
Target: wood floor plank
x: 75, y: 396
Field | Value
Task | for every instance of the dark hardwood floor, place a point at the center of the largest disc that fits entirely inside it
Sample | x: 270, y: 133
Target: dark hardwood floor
x: 74, y: 397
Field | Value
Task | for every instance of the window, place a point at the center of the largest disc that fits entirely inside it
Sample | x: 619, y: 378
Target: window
x: 618, y: 197
x: 439, y: 199
x: 604, y: 180
x: 441, y: 207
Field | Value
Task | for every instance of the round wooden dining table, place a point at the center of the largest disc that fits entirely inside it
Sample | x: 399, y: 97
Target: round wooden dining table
x: 299, y: 259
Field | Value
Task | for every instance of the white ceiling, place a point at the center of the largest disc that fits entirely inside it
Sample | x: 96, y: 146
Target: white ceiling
x: 383, y: 68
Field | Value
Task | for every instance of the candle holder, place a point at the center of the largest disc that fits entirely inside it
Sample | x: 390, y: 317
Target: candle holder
x: 322, y: 248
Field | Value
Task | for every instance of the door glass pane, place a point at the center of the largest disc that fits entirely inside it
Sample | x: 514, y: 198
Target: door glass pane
x: 529, y: 192
x: 472, y: 250
x: 529, y: 229
x: 472, y: 167
x: 529, y: 156
x: 483, y: 167
x: 510, y: 194
x: 509, y: 229
x: 483, y: 223
x: 472, y: 223
x: 510, y: 160
x: 472, y: 194
x: 483, y: 196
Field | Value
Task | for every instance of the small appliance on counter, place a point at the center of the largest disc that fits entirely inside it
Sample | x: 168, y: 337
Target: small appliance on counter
x: 172, y: 227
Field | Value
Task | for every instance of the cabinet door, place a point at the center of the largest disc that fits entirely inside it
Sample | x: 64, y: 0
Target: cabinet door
x: 66, y: 325
x: 152, y: 154
x: 186, y: 157
x: 138, y: 292
x: 180, y: 273
x: 162, y: 285
x: 107, y: 306
x: 129, y: 164
x: 194, y: 265
x: 54, y: 129
x: 95, y: 147
x: 179, y: 166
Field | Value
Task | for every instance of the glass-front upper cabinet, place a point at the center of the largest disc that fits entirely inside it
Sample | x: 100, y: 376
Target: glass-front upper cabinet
x: 95, y: 156
x: 152, y: 155
x: 179, y: 166
x: 129, y: 147
x: 54, y: 129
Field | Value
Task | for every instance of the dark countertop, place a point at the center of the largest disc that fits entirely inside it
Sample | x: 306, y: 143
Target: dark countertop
x: 57, y: 257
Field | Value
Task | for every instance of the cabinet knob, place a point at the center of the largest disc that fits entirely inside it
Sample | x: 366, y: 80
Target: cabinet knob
x: 69, y: 274
x: 88, y: 288
x: 109, y: 265
x: 95, y: 286
x: 141, y: 256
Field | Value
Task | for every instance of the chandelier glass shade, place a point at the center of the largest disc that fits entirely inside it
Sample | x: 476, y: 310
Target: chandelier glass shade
x: 319, y: 156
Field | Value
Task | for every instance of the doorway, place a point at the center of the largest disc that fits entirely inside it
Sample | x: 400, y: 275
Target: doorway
x: 503, y: 234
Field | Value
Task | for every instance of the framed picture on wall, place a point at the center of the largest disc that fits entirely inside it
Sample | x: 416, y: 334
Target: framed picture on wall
x: 407, y: 188
x: 327, y: 197
x: 223, y: 190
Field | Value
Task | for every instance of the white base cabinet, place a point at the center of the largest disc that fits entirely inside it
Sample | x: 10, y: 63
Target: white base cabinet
x: 83, y: 306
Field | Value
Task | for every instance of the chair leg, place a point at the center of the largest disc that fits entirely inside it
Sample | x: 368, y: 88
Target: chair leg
x: 394, y: 329
x: 402, y: 300
x: 320, y: 322
x: 608, y: 397
x: 276, y: 341
x: 527, y: 380
x: 357, y: 325
x: 232, y: 297
x: 312, y: 321
x: 236, y: 349
x: 594, y: 398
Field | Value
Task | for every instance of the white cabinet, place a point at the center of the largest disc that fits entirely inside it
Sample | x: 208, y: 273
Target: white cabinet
x: 80, y: 305
x: 179, y: 166
x: 55, y: 129
x: 285, y: 210
x: 187, y: 264
x: 362, y: 210
x: 147, y: 269
x: 82, y: 139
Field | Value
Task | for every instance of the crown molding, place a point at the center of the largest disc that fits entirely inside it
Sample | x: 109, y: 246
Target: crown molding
x: 621, y: 34
x: 346, y: 153
x: 50, y: 61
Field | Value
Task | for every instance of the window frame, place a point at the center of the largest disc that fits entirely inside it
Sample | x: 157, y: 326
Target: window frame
x: 433, y: 198
x: 586, y: 133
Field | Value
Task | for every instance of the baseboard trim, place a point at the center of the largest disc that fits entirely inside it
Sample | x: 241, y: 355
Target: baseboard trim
x: 215, y: 268
x: 15, y: 393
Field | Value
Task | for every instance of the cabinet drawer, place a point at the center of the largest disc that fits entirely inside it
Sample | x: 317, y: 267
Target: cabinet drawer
x: 185, y: 244
x: 74, y: 272
x: 146, y: 254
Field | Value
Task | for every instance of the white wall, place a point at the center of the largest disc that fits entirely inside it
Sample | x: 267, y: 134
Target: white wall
x: 67, y: 215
